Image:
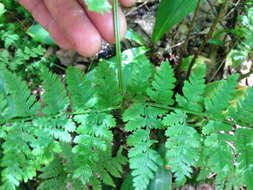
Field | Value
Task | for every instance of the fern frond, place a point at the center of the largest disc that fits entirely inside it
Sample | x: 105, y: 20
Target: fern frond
x: 20, y: 101
x: 53, y: 176
x: 218, y: 155
x: 99, y: 7
x: 139, y: 73
x: 92, y: 154
x: 79, y: 87
x: 106, y: 86
x: 244, y: 109
x: 54, y: 97
x: 220, y: 97
x: 244, y: 149
x: 59, y: 127
x: 5, y: 111
x: 193, y: 91
x: 182, y: 145
x: 143, y: 160
x: 162, y: 86
x: 18, y: 162
x: 140, y: 116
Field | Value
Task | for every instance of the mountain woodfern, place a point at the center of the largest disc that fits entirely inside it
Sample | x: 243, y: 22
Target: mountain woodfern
x: 81, y: 133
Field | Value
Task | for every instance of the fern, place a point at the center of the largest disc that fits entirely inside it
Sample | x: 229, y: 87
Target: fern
x: 220, y: 97
x: 244, y: 149
x: 53, y: 176
x: 193, y: 91
x: 79, y: 87
x: 218, y: 154
x: 140, y: 75
x: 93, y: 145
x: 163, y: 84
x: 105, y: 81
x: 142, y: 159
x: 182, y: 145
x: 75, y: 143
x: 18, y: 161
x: 139, y: 116
x: 244, y: 109
x: 20, y: 101
x: 100, y: 7
x: 54, y: 98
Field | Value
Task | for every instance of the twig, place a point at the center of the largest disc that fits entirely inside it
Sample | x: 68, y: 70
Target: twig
x: 209, y: 35
x: 118, y: 49
x: 246, y: 75
x: 183, y: 50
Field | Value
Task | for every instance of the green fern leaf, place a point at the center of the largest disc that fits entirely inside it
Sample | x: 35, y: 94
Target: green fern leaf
x: 20, y: 101
x: 99, y: 7
x: 105, y: 81
x: 143, y: 161
x: 161, y: 91
x: 58, y: 128
x: 218, y: 155
x: 140, y: 116
x: 92, y: 154
x: 55, y: 97
x: 182, y: 145
x: 18, y: 162
x: 79, y: 87
x: 244, y: 110
x: 193, y: 91
x: 140, y: 72
x: 53, y: 176
x: 5, y: 111
x: 220, y: 97
x: 244, y: 148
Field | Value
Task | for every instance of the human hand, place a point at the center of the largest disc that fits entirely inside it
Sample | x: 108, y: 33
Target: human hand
x: 73, y: 26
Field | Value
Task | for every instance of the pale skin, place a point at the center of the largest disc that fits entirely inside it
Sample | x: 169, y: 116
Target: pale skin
x: 73, y: 27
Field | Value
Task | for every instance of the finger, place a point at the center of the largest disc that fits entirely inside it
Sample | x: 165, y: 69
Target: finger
x: 42, y: 15
x: 104, y: 23
x: 72, y: 19
x: 127, y: 3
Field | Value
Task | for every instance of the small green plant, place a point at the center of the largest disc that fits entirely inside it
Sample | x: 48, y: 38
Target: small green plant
x: 245, y: 32
x: 88, y: 130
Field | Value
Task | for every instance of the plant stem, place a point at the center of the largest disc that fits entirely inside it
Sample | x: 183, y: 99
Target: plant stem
x: 209, y: 35
x: 30, y: 118
x: 246, y: 75
x: 118, y: 49
x: 183, y: 50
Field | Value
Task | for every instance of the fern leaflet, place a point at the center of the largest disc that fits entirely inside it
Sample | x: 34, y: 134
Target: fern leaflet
x: 143, y: 161
x: 79, y: 87
x: 105, y: 81
x: 163, y: 84
x: 54, y: 98
x: 193, y: 91
x: 182, y: 145
x: 220, y: 97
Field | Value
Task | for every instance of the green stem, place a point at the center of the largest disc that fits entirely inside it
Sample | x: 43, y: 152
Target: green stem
x: 118, y: 49
x: 30, y: 118
x: 203, y: 115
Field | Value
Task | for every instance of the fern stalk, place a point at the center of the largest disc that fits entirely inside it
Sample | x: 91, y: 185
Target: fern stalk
x: 118, y: 49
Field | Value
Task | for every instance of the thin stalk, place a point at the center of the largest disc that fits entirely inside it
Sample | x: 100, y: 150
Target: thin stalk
x: 183, y: 50
x: 30, y: 118
x: 246, y: 75
x: 201, y: 114
x: 118, y: 49
x: 209, y: 35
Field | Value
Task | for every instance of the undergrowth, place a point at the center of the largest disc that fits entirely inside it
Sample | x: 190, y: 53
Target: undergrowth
x: 83, y: 132
x: 67, y: 136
